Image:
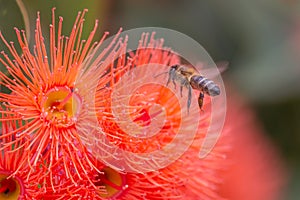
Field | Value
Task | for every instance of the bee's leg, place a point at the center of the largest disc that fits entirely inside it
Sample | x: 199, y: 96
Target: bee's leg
x: 171, y: 77
x: 201, y: 100
x: 173, y: 80
x: 181, y: 88
x: 189, y: 98
x: 184, y: 82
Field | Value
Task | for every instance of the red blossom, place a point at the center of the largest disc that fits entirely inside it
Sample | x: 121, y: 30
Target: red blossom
x: 44, y: 95
x: 17, y: 178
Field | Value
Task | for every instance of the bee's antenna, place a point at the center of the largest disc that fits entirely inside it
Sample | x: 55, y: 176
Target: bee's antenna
x: 157, y: 75
x: 173, y: 67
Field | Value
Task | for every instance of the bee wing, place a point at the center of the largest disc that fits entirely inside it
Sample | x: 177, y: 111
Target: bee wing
x: 222, y: 65
x: 212, y: 72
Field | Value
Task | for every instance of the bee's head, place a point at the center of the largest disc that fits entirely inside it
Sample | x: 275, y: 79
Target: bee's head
x: 174, y: 67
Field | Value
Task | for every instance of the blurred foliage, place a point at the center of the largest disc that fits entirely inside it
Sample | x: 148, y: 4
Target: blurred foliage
x: 68, y: 10
x: 11, y: 16
x: 278, y: 119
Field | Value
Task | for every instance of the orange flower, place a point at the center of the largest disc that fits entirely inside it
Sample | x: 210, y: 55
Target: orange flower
x: 127, y: 110
x: 142, y: 109
x: 44, y: 94
x: 17, y: 179
x: 56, y: 184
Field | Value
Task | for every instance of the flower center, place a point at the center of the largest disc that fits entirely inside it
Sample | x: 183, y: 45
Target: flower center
x: 143, y: 118
x: 10, y: 188
x: 61, y: 106
x: 113, y: 181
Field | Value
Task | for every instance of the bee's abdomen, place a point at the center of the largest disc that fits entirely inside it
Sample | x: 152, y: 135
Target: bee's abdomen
x: 205, y: 85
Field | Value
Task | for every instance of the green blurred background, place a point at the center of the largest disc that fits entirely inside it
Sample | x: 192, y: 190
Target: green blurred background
x: 260, y: 39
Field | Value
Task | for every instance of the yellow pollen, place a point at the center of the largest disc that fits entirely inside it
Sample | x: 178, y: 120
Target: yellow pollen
x: 61, y: 106
x: 113, y: 181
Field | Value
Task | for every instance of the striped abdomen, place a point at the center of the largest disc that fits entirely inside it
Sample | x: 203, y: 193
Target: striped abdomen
x: 206, y: 85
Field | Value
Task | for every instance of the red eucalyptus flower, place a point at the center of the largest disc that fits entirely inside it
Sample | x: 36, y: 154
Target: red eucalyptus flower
x: 45, y: 97
x: 17, y: 178
x: 185, y: 178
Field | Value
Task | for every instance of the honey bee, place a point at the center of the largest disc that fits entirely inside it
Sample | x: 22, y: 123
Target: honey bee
x: 189, y: 78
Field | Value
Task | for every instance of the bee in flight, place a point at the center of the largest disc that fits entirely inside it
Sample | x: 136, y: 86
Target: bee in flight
x: 189, y: 78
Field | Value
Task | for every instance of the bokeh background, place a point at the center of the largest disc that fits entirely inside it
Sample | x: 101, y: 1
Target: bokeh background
x: 260, y: 39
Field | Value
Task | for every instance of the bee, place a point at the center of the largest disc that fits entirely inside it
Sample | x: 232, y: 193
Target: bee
x: 189, y: 78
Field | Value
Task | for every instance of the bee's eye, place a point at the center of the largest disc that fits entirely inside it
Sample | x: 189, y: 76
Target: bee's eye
x: 174, y: 67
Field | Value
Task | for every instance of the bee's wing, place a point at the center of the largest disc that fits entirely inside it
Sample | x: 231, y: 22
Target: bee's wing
x: 222, y: 65
x: 212, y: 72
